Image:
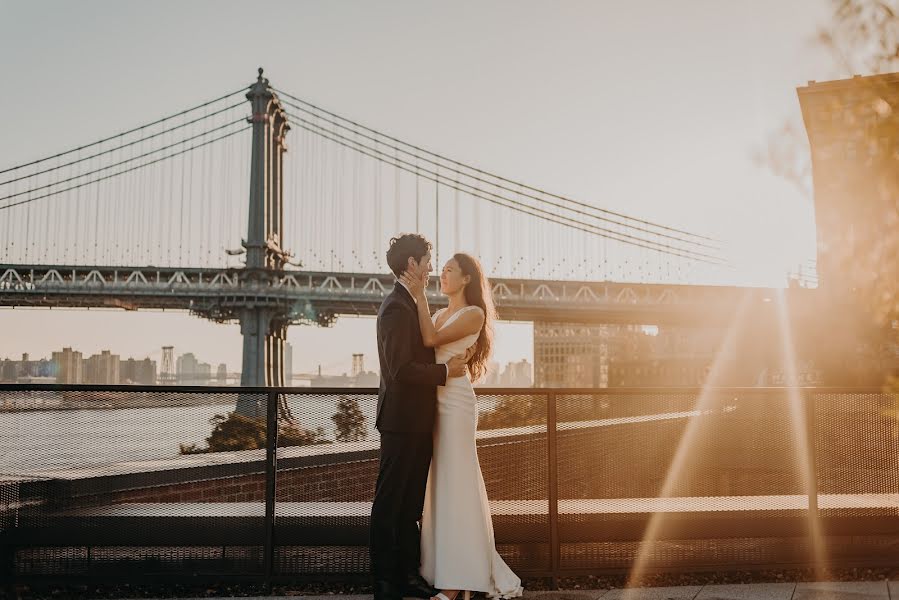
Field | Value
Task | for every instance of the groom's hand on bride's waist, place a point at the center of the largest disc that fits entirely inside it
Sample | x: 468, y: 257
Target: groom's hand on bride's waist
x: 455, y: 367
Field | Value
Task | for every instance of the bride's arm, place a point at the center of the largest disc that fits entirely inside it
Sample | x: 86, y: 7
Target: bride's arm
x: 428, y: 332
x: 466, y: 324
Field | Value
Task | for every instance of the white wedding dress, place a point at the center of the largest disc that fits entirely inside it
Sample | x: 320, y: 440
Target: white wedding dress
x: 458, y: 551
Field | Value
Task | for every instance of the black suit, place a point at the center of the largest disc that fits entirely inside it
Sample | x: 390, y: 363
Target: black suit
x: 407, y: 405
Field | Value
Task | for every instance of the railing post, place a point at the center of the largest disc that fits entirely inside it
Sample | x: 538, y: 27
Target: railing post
x: 811, y: 453
x: 811, y: 457
x: 271, y: 457
x: 555, y: 550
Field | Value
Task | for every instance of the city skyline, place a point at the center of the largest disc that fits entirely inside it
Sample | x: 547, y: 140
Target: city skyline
x: 219, y: 342
x: 496, y: 370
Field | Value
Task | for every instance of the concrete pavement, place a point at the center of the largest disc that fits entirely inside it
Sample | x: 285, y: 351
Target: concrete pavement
x: 826, y: 590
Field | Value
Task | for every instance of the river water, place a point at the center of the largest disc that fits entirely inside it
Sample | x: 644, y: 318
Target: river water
x: 33, y: 441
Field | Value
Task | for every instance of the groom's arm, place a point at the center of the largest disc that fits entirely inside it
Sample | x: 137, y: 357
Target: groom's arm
x: 397, y: 329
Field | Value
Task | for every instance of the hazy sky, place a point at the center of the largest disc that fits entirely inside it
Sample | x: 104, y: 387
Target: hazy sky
x: 649, y: 108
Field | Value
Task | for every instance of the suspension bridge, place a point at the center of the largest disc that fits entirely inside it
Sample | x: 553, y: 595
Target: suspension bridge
x: 157, y: 217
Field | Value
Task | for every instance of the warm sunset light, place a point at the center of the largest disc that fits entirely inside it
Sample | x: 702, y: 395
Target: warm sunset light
x: 451, y: 301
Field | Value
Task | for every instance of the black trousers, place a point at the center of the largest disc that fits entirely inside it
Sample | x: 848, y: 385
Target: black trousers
x: 395, y: 544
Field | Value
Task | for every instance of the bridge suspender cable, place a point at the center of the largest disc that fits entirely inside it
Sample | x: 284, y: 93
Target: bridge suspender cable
x: 653, y: 244
x: 516, y: 192
x: 122, y: 162
x: 505, y: 201
x: 510, y: 203
x: 418, y: 149
x: 134, y: 168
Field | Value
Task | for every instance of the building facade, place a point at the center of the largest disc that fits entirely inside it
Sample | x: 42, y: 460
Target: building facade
x: 139, y: 372
x: 69, y: 366
x: 191, y: 371
x: 102, y: 369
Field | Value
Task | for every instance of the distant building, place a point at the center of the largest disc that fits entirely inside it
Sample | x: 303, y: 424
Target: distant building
x: 24, y: 367
x: 578, y: 355
x: 689, y: 371
x: 139, y: 372
x: 27, y: 369
x: 359, y: 377
x: 366, y: 379
x: 518, y: 374
x: 9, y: 370
x: 358, y: 364
x: 102, y: 368
x: 515, y: 374
x: 613, y: 355
x: 491, y: 379
x: 221, y: 374
x: 68, y: 365
x: 191, y: 371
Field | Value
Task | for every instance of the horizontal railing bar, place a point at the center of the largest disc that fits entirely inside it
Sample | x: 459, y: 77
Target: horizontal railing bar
x: 481, y: 391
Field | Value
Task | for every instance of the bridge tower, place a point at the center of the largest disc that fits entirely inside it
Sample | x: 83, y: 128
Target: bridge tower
x: 167, y: 372
x: 264, y: 328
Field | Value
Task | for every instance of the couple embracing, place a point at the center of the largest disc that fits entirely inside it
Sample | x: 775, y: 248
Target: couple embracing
x: 427, y: 418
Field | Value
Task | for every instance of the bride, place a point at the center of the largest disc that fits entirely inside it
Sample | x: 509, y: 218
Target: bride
x: 458, y: 552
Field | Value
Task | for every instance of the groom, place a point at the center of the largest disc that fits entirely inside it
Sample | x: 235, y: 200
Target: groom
x: 407, y: 405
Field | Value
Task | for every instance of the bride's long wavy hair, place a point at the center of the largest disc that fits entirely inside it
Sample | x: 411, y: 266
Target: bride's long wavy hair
x: 478, y: 293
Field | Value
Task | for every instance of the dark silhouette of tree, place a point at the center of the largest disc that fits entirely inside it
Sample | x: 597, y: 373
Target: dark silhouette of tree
x: 238, y: 432
x: 863, y: 35
x: 349, y: 420
x: 514, y: 411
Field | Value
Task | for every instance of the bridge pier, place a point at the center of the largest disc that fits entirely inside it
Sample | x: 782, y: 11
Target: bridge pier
x: 264, y: 328
x: 255, y: 327
x: 264, y: 335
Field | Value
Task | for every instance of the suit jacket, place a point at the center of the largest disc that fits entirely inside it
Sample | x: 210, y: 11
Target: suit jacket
x: 407, y: 398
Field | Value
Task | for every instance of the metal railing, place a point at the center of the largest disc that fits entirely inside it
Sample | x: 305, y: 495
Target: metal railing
x: 96, y: 480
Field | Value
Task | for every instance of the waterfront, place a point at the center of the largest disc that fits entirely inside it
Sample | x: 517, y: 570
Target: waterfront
x: 34, y: 440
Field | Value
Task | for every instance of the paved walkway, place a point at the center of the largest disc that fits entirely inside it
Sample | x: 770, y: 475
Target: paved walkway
x: 830, y: 590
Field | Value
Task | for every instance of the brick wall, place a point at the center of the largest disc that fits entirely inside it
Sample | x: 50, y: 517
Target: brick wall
x: 728, y: 456
x: 515, y: 470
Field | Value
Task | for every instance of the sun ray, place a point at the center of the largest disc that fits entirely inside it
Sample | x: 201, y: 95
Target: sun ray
x: 682, y: 453
x: 799, y: 422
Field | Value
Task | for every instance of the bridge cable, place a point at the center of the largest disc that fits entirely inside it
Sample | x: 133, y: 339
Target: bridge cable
x: 130, y: 131
x: 111, y: 150
x: 521, y: 207
x: 440, y: 179
x: 410, y: 167
x: 134, y: 168
x: 528, y: 195
x: 481, y: 171
x: 122, y: 162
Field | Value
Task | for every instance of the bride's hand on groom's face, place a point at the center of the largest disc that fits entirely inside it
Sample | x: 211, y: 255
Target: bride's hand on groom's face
x: 414, y: 280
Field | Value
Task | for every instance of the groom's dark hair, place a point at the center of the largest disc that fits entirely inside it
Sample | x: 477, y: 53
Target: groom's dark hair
x: 404, y: 246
